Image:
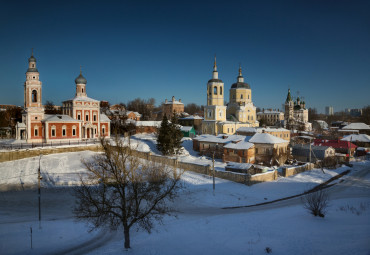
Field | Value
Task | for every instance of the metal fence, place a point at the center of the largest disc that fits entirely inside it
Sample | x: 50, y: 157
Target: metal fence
x: 17, y: 146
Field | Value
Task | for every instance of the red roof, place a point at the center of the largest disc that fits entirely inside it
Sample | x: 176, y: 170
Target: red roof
x: 336, y: 144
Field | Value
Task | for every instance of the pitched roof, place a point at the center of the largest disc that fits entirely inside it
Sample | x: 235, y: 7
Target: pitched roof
x: 242, y: 145
x: 104, y: 117
x: 337, y: 144
x: 85, y: 99
x: 266, y: 138
x: 357, y: 126
x: 59, y: 118
x: 357, y: 138
x: 186, y: 128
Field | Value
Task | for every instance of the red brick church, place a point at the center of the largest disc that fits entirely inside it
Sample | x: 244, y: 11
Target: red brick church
x: 81, y: 118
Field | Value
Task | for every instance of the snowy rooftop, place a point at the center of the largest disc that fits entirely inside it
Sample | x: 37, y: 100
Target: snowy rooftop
x: 104, y: 117
x: 266, y: 138
x: 136, y: 113
x: 186, y: 128
x: 85, y: 99
x: 191, y: 117
x: 357, y: 138
x: 242, y: 145
x: 148, y: 123
x: 269, y: 112
x: 357, y: 126
x: 222, y: 139
x: 59, y: 117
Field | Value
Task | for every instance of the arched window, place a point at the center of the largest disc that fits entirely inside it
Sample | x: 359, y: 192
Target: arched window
x: 241, y: 96
x: 74, y: 130
x: 36, y: 131
x: 214, y: 90
x: 34, y: 96
x: 53, y: 131
x: 248, y: 96
x: 210, y: 91
x: 220, y: 90
x: 103, y: 130
x: 64, y: 130
x: 82, y: 90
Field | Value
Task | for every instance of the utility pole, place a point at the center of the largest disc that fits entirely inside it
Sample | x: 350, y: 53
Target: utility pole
x: 310, y: 151
x: 39, y: 187
x: 213, y: 162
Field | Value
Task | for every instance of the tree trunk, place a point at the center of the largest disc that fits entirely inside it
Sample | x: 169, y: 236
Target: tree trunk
x: 127, y: 237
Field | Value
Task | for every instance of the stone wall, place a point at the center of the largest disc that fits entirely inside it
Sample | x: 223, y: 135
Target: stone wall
x: 288, y: 171
x: 20, y: 154
x: 243, y: 178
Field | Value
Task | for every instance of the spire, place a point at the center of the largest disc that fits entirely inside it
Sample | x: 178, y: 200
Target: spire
x: 215, y: 73
x: 215, y: 65
x: 240, y: 77
x: 288, y: 97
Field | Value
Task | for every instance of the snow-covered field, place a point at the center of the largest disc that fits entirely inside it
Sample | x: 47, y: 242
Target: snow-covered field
x: 202, y: 227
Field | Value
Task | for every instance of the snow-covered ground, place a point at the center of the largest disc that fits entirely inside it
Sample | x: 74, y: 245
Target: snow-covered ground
x: 202, y: 227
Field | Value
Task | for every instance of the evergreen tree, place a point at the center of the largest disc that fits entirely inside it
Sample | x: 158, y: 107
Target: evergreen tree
x: 176, y: 135
x: 169, y: 136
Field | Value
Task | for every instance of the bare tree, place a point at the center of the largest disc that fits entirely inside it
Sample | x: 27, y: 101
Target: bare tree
x: 122, y: 191
x: 316, y: 202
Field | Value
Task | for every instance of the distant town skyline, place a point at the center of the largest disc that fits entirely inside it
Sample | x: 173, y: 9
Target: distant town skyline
x: 145, y: 49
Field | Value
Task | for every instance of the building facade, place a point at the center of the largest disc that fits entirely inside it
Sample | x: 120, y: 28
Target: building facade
x: 171, y: 107
x: 81, y: 118
x: 240, y: 112
x: 270, y: 117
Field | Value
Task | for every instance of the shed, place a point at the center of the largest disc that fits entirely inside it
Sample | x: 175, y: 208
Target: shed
x: 188, y: 131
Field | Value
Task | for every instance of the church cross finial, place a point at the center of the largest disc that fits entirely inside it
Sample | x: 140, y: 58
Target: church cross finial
x: 80, y: 69
x: 31, y: 51
x: 240, y: 70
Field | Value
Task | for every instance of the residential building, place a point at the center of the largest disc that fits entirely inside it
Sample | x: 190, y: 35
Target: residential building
x: 241, y: 152
x: 269, y: 147
x: 192, y: 120
x: 278, y: 132
x: 301, y: 152
x: 270, y: 117
x: 340, y: 146
x: 361, y: 140
x: 171, y: 107
x: 362, y: 128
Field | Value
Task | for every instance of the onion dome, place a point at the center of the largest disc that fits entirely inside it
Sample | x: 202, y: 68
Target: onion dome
x: 80, y: 79
x: 32, y: 67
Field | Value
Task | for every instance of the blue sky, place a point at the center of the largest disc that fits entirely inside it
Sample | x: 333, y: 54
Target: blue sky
x: 161, y: 49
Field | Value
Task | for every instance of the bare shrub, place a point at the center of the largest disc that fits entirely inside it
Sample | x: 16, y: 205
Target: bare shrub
x: 316, y: 202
